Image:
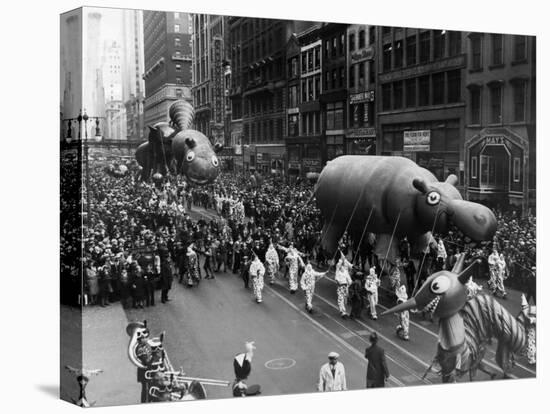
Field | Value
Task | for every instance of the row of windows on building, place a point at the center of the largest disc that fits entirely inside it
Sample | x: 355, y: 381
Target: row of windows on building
x: 496, y: 50
x: 487, y: 171
x: 435, y: 89
x: 263, y: 131
x: 261, y: 104
x: 361, y: 39
x: 496, y: 98
x: 420, y: 48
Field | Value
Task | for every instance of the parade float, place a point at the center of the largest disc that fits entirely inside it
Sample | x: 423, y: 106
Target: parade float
x: 469, y: 323
x: 173, y: 147
x: 159, y: 380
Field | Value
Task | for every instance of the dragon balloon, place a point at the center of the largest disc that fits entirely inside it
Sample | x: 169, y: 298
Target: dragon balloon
x: 468, y: 325
x: 174, y: 146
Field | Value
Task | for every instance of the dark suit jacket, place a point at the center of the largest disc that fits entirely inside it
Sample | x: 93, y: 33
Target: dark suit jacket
x: 377, y: 369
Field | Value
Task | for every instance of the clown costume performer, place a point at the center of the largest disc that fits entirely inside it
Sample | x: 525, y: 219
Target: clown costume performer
x: 343, y: 281
x: 257, y: 271
x: 294, y: 262
x: 272, y: 263
x: 472, y: 288
x: 307, y: 283
x: 193, y: 273
x: 371, y: 286
x: 402, y: 329
x: 529, y: 316
x: 496, y: 272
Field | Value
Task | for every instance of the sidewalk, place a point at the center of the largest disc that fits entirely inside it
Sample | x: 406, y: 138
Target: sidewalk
x: 104, y: 346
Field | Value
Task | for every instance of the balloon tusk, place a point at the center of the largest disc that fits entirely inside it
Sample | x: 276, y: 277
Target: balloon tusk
x: 410, y: 304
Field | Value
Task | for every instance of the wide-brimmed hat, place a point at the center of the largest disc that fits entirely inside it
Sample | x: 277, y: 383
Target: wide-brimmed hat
x: 334, y: 355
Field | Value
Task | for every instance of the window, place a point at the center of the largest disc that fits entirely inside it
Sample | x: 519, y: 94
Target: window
x: 475, y: 105
x: 520, y: 50
x: 455, y: 43
x: 372, y: 31
x: 398, y: 54
x: 351, y: 42
x: 327, y: 80
x: 335, y: 115
x: 342, y: 49
x: 310, y: 60
x: 410, y: 92
x: 517, y: 169
x: 475, y: 42
x: 304, y: 91
x: 317, y: 57
x: 176, y: 15
x: 304, y: 62
x: 496, y: 104
x: 178, y: 68
x: 177, y: 42
x: 473, y: 168
x: 342, y: 83
x: 453, y: 86
x: 386, y: 97
x: 372, y: 73
x: 424, y: 90
x: 424, y: 47
x: 352, y: 76
x: 519, y: 101
x: 439, y: 44
x: 334, y: 46
x: 386, y: 59
x: 386, y: 30
x: 438, y: 81
x: 310, y: 95
x: 178, y: 80
x: 177, y: 28
x: 496, y: 43
x: 411, y: 50
x: 397, y: 95
x: 293, y: 97
x: 317, y: 86
x: 362, y: 39
x: 361, y: 67
x: 334, y: 79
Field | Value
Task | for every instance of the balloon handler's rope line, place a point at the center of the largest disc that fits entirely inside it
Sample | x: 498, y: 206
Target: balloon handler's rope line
x: 329, y: 223
x: 391, y: 240
x: 363, y: 235
x: 425, y: 253
x: 164, y: 156
x: 349, y: 221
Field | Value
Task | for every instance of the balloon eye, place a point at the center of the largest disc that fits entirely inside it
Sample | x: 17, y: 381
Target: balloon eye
x: 215, y: 161
x: 433, y: 198
x: 440, y: 285
x: 190, y: 156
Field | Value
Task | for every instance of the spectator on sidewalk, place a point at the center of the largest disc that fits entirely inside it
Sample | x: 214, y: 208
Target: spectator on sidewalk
x: 377, y: 369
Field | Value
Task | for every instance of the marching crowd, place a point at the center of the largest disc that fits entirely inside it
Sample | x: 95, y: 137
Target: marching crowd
x: 141, y: 236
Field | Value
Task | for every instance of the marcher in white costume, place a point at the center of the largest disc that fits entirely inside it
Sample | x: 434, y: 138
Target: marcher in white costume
x: 497, y: 267
x: 402, y: 317
x: 307, y: 283
x: 257, y: 271
x: 343, y: 280
x: 371, y: 285
x: 294, y: 260
x: 272, y: 263
x: 530, y: 314
x: 472, y: 288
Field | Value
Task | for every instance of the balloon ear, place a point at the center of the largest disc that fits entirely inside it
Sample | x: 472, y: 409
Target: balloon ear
x: 151, y: 128
x: 420, y: 185
x: 452, y: 179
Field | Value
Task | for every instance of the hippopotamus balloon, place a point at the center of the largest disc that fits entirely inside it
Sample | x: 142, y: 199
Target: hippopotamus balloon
x: 394, y: 198
x: 177, y: 147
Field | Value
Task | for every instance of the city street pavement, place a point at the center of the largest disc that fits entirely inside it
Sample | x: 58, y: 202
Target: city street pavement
x: 206, y: 326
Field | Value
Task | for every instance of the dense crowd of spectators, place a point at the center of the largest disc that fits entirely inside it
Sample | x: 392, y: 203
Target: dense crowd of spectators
x: 138, y: 235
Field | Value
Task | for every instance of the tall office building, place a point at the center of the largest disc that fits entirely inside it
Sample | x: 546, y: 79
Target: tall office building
x: 167, y: 55
x: 208, y: 74
x: 133, y: 86
x: 113, y: 86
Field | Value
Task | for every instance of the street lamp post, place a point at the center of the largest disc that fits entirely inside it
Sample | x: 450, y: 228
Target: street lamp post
x: 87, y: 161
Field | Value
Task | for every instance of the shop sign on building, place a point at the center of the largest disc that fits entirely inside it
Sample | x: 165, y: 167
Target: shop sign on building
x: 416, y: 140
x: 366, y: 96
x: 367, y: 132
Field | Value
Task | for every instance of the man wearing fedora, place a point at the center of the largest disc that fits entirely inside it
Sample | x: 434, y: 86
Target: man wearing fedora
x: 332, y: 376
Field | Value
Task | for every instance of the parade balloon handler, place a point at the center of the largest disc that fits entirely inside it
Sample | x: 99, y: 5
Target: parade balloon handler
x: 257, y: 271
x: 332, y: 375
x: 294, y: 262
x: 242, y: 365
x: 272, y: 263
x: 372, y: 283
x: 343, y: 281
x: 307, y: 283
x: 402, y: 329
